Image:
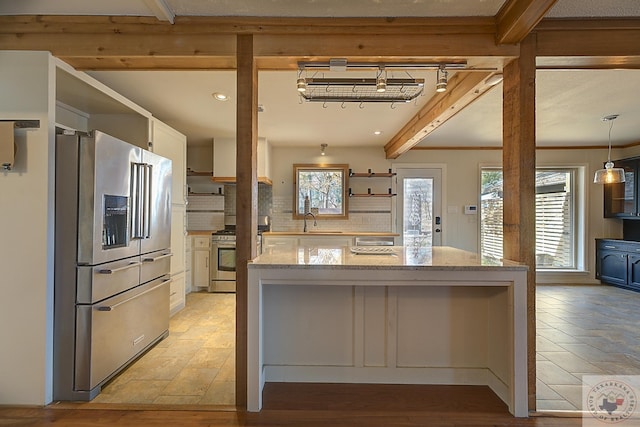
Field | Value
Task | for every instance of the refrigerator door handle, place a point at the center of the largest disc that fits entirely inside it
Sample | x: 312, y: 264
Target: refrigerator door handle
x: 136, y: 225
x: 146, y: 201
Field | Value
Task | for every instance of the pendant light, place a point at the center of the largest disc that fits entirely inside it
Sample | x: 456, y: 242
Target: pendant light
x: 609, y: 175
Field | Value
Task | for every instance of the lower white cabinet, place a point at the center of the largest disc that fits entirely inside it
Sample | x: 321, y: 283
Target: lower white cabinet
x: 293, y: 240
x: 325, y: 240
x: 201, y: 261
x: 176, y: 293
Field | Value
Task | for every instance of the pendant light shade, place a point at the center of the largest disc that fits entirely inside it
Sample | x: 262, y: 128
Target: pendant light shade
x: 609, y: 175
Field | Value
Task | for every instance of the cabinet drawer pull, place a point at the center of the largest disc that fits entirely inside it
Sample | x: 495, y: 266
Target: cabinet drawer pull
x: 609, y: 247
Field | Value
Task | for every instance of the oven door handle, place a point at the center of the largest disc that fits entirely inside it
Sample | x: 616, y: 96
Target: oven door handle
x: 114, y: 306
x: 224, y: 245
x: 116, y: 270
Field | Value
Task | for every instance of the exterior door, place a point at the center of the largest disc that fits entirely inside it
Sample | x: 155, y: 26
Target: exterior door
x: 418, y: 208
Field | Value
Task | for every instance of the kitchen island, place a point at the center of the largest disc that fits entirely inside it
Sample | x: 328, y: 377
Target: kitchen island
x: 411, y: 316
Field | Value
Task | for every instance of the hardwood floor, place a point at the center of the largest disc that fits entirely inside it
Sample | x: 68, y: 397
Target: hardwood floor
x: 310, y: 405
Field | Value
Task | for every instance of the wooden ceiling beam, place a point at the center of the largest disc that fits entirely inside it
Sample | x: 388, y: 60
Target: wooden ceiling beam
x: 462, y: 89
x: 386, y: 47
x: 140, y: 43
x: 588, y: 43
x: 25, y: 24
x: 516, y: 19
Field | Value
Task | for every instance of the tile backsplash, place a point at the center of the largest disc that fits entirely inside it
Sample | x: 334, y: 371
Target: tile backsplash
x: 212, y: 212
x: 365, y: 214
x: 205, y: 212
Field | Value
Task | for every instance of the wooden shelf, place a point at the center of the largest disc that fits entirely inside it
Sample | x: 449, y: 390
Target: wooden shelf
x: 232, y: 180
x: 370, y: 194
x: 196, y: 173
x: 371, y: 174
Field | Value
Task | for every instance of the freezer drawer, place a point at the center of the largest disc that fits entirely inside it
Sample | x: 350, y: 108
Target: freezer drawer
x: 111, y: 333
x: 155, y: 264
x: 98, y: 282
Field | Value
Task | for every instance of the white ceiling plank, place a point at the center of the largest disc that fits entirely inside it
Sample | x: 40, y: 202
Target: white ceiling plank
x: 161, y: 10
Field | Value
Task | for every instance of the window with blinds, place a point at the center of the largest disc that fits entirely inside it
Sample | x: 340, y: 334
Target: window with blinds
x: 555, y: 211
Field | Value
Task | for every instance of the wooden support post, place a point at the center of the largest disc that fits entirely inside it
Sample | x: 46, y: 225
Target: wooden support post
x: 246, y: 198
x: 519, y: 165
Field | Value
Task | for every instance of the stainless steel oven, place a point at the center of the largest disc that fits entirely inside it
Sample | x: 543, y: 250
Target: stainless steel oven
x: 222, y: 270
x: 223, y: 262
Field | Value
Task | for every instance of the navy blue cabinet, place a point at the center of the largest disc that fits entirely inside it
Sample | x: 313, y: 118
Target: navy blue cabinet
x: 621, y: 200
x: 618, y: 263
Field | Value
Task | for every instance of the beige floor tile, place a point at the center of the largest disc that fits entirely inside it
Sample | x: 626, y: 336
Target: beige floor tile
x: 220, y: 393
x: 572, y: 363
x: 221, y: 340
x: 570, y: 393
x: 191, y: 382
x: 177, y: 400
x: 210, y: 358
x: 134, y: 391
x: 228, y: 370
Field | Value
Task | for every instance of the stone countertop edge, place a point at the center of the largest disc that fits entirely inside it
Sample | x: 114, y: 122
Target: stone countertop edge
x: 253, y: 265
x: 329, y: 233
x: 440, y: 258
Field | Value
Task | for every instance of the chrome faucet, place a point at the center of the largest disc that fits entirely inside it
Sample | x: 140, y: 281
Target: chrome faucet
x: 315, y: 223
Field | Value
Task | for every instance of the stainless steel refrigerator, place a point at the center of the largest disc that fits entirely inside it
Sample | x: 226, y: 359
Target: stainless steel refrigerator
x: 112, y: 259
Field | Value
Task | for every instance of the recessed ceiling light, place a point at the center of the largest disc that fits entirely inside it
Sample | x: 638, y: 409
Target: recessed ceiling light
x: 220, y: 96
x: 377, y: 132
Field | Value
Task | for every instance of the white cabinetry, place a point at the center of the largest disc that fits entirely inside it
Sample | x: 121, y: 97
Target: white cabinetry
x: 224, y: 160
x: 84, y: 104
x: 171, y: 144
x: 201, y: 261
x: 325, y: 240
x: 176, y: 293
x: 310, y: 239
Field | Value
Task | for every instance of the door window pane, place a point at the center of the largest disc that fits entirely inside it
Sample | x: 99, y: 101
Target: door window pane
x: 418, y: 212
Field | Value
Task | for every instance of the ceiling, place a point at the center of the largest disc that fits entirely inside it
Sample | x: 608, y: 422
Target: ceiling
x: 570, y: 104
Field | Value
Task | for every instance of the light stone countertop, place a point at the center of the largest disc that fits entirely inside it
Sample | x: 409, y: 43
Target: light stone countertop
x: 329, y: 233
x: 200, y: 232
x: 403, y: 258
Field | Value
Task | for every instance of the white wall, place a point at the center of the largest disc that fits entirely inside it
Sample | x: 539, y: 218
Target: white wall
x: 462, y: 188
x: 365, y: 214
x: 26, y: 228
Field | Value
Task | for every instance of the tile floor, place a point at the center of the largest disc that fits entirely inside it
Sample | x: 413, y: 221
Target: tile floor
x: 580, y: 330
x: 592, y: 330
x: 194, y: 365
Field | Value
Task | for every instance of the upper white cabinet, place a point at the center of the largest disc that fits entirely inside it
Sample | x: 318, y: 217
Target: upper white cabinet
x: 171, y: 144
x: 224, y: 160
x: 264, y: 160
x: 84, y: 104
